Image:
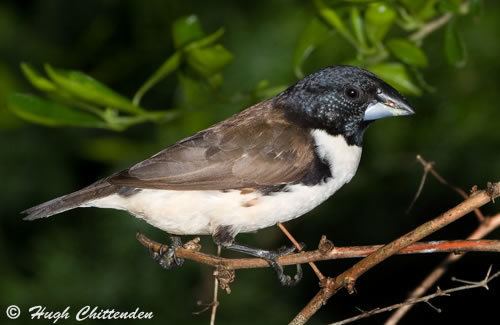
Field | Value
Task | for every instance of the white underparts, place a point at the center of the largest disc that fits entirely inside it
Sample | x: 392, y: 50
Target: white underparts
x: 201, y: 212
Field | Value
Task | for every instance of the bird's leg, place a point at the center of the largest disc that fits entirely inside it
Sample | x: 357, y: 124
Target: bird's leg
x: 166, y: 256
x: 225, y: 238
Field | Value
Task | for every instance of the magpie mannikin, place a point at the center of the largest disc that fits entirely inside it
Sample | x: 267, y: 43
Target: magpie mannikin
x: 270, y: 163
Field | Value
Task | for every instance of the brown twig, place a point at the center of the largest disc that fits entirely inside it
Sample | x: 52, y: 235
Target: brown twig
x: 456, y: 246
x: 488, y: 225
x: 429, y: 168
x: 439, y: 293
x: 485, y: 227
x: 347, y: 279
x: 215, y: 300
x: 299, y: 249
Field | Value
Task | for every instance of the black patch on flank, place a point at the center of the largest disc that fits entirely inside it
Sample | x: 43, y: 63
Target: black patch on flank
x: 271, y: 189
x: 318, y: 172
x: 126, y: 191
x: 223, y: 235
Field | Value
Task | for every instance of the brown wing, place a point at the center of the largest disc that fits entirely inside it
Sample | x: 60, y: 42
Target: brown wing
x: 255, y: 148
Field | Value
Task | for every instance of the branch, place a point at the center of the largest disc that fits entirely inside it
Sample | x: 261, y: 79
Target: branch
x: 348, y: 278
x: 429, y: 168
x: 455, y: 246
x: 215, y: 300
x: 487, y: 225
x: 436, y: 24
x: 299, y: 249
x: 439, y: 293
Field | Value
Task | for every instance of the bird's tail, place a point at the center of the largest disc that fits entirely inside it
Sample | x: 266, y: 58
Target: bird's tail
x: 70, y: 201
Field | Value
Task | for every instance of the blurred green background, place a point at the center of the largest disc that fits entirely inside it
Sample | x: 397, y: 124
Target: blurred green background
x: 91, y: 257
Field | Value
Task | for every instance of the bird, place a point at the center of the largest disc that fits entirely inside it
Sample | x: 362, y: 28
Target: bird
x: 270, y: 163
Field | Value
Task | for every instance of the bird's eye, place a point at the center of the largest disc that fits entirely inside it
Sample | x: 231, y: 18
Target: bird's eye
x: 352, y: 93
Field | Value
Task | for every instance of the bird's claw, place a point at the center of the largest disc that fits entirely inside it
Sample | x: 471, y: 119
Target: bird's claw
x: 272, y: 256
x: 166, y: 257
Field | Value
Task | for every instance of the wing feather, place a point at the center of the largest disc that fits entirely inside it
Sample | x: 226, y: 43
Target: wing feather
x: 256, y: 148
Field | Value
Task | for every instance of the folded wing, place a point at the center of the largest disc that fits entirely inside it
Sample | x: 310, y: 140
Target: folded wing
x: 256, y: 148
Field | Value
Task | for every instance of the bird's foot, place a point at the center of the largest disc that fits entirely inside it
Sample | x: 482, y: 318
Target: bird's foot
x: 224, y: 236
x: 166, y: 256
x: 271, y: 258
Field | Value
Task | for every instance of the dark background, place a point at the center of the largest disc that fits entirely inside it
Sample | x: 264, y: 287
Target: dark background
x: 91, y: 257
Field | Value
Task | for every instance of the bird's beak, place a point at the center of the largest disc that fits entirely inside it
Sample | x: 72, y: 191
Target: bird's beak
x: 387, y: 105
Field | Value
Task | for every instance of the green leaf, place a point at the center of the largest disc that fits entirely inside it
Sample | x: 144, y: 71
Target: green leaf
x: 194, y: 92
x: 205, y: 41
x: 452, y: 6
x: 209, y: 60
x: 313, y: 35
x: 84, y: 87
x: 215, y: 80
x: 454, y: 46
x: 379, y: 18
x: 358, y: 27
x: 120, y: 123
x: 397, y: 76
x: 476, y: 7
x: 427, y: 10
x: 334, y: 20
x: 407, y: 52
x: 36, y: 79
x: 41, y: 111
x: 170, y: 65
x: 185, y: 30
x: 414, y: 5
x: 264, y: 91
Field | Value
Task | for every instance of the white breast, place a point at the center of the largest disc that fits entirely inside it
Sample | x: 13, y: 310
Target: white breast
x: 343, y: 158
x: 201, y: 212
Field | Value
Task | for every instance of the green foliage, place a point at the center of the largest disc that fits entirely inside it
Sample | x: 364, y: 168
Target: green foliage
x: 407, y: 52
x: 74, y: 92
x: 313, y: 35
x: 366, y: 25
x: 386, y: 37
x: 379, y: 19
x: 49, y: 113
x: 80, y: 86
x: 200, y: 51
x: 454, y: 46
x: 396, y: 74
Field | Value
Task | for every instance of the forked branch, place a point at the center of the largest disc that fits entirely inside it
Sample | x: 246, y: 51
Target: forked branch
x: 439, y: 293
x: 331, y: 286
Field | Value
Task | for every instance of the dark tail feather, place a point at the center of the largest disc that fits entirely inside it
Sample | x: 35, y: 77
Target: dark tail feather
x: 70, y: 201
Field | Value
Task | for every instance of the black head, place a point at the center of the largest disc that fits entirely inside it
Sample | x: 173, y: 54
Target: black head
x: 341, y: 100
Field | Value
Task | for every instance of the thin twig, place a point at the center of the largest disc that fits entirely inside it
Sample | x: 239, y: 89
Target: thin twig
x: 429, y: 167
x: 348, y: 278
x: 488, y: 225
x: 485, y: 226
x: 430, y: 27
x: 456, y: 246
x: 299, y: 249
x: 437, y: 23
x: 215, y: 300
x: 439, y: 293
